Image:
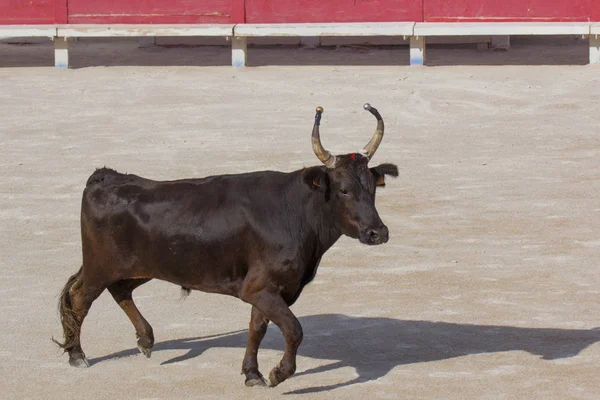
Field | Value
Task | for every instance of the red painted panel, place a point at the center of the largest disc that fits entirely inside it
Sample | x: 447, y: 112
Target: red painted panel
x: 595, y: 11
x: 18, y: 12
x: 238, y: 12
x: 506, y: 10
x: 60, y: 11
x: 290, y: 11
x: 151, y: 11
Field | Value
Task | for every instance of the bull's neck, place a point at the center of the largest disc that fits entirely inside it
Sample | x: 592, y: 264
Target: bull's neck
x: 318, y: 217
x: 324, y: 226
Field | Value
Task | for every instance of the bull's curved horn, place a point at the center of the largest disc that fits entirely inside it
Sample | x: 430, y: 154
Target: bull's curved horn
x: 326, y: 157
x: 373, y: 144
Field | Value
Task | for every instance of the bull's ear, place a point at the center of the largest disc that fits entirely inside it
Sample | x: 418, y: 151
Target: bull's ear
x: 317, y: 179
x: 379, y: 172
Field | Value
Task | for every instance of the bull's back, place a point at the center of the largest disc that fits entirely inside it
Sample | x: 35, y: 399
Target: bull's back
x: 197, y: 200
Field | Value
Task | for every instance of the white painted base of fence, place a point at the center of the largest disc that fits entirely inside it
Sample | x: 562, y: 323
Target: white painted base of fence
x: 239, y: 50
x: 417, y: 50
x: 61, y: 52
x: 594, y: 49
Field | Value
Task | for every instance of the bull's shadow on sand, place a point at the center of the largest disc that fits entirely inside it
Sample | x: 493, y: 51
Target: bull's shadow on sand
x: 374, y: 346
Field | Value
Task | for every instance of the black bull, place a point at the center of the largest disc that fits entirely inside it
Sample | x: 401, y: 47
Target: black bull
x: 257, y: 236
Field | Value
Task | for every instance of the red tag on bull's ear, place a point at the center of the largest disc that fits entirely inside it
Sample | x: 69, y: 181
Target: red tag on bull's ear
x: 352, y: 155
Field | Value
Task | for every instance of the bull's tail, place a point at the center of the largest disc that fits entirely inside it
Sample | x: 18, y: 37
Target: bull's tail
x: 68, y: 317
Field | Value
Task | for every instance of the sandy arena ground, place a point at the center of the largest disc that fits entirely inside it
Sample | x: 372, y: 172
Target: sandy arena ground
x: 487, y: 289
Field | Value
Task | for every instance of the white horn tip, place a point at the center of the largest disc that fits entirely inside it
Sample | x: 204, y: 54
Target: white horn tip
x: 367, y: 106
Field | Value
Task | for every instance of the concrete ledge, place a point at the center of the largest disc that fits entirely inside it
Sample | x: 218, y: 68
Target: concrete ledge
x: 27, y: 31
x: 500, y: 28
x: 420, y: 33
x: 340, y: 29
x: 144, y: 30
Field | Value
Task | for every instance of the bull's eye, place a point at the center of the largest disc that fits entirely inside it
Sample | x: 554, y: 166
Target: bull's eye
x: 344, y: 192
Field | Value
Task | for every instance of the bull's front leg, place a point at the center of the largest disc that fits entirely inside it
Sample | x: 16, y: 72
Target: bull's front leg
x: 270, y: 303
x: 256, y: 333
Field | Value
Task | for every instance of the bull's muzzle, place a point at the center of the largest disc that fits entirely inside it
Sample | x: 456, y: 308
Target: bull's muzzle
x: 373, y: 236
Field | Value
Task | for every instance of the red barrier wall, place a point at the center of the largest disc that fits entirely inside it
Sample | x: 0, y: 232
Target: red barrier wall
x: 595, y: 10
x: 283, y: 11
x: 291, y: 11
x: 507, y: 10
x: 151, y: 11
x: 20, y: 12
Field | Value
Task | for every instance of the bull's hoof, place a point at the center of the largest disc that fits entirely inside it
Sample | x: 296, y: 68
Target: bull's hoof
x: 78, y: 361
x: 252, y: 382
x: 145, y: 343
x: 276, y: 377
x: 255, y: 379
x: 147, y: 351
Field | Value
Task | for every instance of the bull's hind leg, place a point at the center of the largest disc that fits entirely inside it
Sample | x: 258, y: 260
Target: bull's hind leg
x: 75, y: 302
x: 256, y: 333
x: 121, y: 292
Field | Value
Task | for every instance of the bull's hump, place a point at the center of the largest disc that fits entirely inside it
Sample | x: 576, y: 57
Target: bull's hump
x: 106, y: 176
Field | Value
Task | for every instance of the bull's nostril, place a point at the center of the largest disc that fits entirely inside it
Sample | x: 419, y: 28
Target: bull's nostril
x: 373, y: 234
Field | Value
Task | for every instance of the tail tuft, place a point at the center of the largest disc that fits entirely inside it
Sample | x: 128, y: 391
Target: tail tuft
x: 185, y: 292
x: 68, y: 318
